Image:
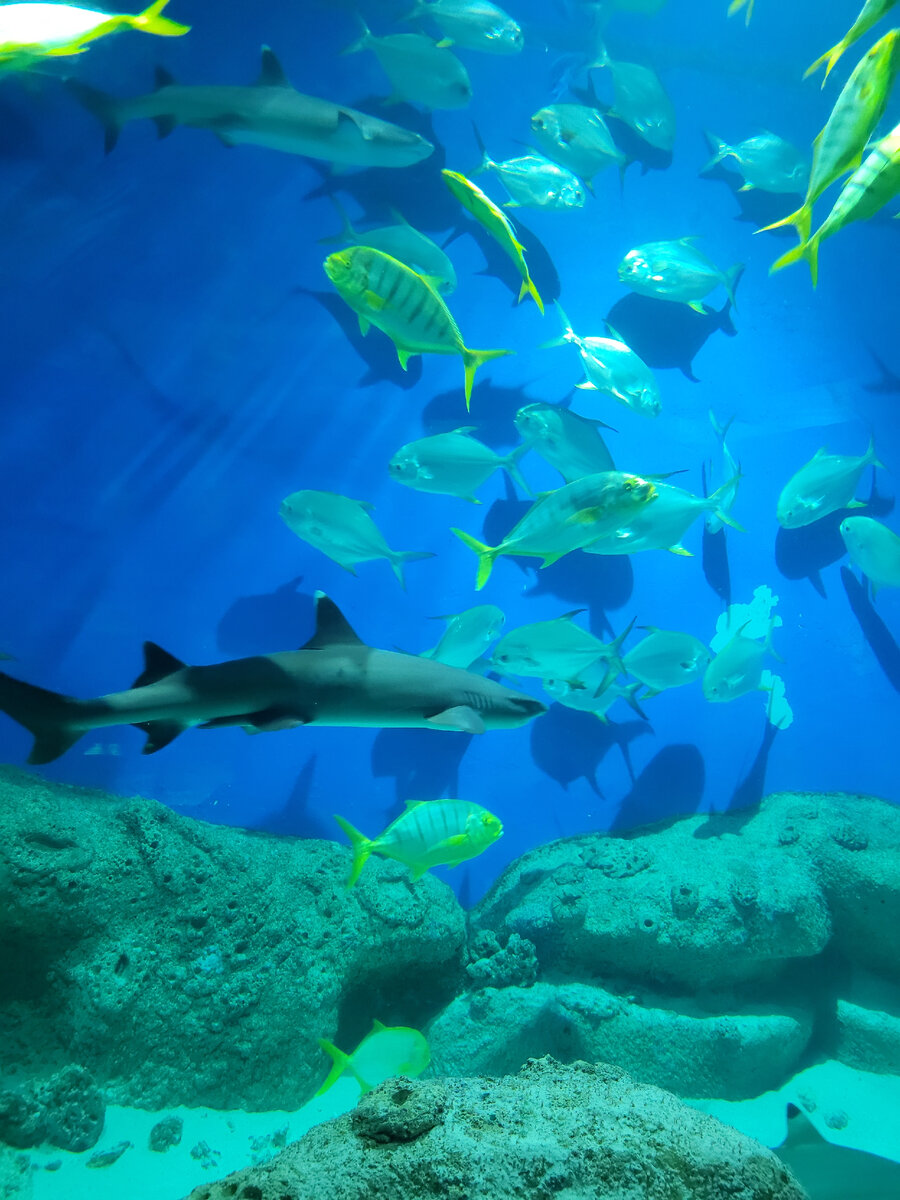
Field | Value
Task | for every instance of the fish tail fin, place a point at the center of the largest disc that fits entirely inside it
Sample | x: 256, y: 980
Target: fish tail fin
x: 340, y: 1063
x: 719, y: 150
x: 99, y: 104
x: 347, y: 234
x: 46, y: 715
x: 732, y: 279
x: 609, y: 679
x: 801, y: 220
x: 406, y: 556
x: 363, y: 41
x: 871, y: 457
x: 360, y: 845
x: 806, y: 251
x: 719, y: 495
x: 528, y: 289
x: 768, y: 643
x: 829, y: 59
x: 150, y: 21
x: 511, y: 466
x: 486, y: 556
x: 473, y: 359
x: 613, y: 648
x: 486, y: 160
x: 720, y: 430
x: 629, y: 695
x: 568, y: 333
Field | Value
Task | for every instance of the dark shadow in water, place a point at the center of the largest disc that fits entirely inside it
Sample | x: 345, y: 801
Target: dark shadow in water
x: 746, y: 796
x: 503, y: 516
x: 598, y: 582
x: 492, y: 413
x: 569, y: 745
x: 423, y: 762
x: 881, y: 641
x: 671, y: 784
x: 295, y: 819
x: 498, y: 263
x: 635, y: 148
x: 888, y: 381
x: 714, y: 556
x: 279, y: 620
x: 803, y: 553
x: 376, y: 349
x: 756, y: 207
x: 665, y: 334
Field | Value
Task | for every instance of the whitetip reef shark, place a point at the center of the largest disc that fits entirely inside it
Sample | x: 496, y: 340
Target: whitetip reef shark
x: 269, y: 113
x: 334, y: 680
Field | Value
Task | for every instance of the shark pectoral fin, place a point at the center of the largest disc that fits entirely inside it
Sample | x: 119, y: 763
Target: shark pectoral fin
x: 158, y: 663
x: 160, y: 733
x: 164, y: 125
x: 460, y: 718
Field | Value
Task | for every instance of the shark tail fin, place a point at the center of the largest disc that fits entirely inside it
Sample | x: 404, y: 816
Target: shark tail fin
x: 100, y: 105
x: 340, y: 1064
x: 404, y: 556
x: 150, y: 21
x: 46, y: 715
x: 528, y: 289
x: 472, y: 360
x: 361, y: 846
x: 486, y: 556
x: 510, y: 465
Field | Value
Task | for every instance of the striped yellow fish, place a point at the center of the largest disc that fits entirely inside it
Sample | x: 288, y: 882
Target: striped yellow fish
x: 431, y: 833
x: 31, y: 31
x: 841, y: 144
x: 869, y: 188
x: 498, y: 225
x: 870, y: 14
x: 405, y: 305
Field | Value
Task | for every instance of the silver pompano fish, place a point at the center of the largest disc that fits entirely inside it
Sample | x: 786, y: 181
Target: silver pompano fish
x: 568, y: 442
x: 468, y: 635
x: 421, y: 71
x: 269, y: 114
x: 766, y: 161
x: 474, y: 24
x: 613, y: 369
x: 641, y: 102
x: 676, y: 271
x: 824, y: 485
x: 731, y: 471
x: 343, y: 530
x: 576, y: 137
x: 533, y: 181
x: 403, y: 242
x: 737, y: 668
x: 557, y: 647
x: 334, y: 680
x: 874, y: 549
x: 453, y: 464
x: 568, y: 519
x: 592, y: 692
x: 667, y: 659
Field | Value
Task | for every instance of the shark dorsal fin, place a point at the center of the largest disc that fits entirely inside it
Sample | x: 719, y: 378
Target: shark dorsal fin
x: 162, y: 78
x: 332, y: 627
x: 158, y: 663
x: 271, y: 72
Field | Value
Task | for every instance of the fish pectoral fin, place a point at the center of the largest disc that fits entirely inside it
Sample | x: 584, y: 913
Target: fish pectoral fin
x: 460, y: 718
x: 680, y: 550
x: 373, y: 300
x: 160, y: 733
x: 452, y: 843
x: 857, y: 504
x: 364, y: 325
x: 698, y: 306
x: 404, y: 355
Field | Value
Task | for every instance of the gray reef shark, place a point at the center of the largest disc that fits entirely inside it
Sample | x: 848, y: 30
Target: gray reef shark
x: 335, y: 679
x: 269, y: 113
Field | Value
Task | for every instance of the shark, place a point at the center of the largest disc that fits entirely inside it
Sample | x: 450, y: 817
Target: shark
x: 268, y: 113
x: 335, y: 679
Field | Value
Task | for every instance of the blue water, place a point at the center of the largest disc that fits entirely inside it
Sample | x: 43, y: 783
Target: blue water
x: 172, y: 368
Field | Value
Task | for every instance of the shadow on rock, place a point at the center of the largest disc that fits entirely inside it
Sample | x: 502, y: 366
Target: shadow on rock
x: 279, y: 620
x: 881, y: 641
x: 569, y: 745
x: 671, y: 785
x: 423, y: 762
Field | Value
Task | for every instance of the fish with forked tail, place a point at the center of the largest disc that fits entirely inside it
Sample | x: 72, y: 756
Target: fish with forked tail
x: 32, y: 31
x: 334, y: 680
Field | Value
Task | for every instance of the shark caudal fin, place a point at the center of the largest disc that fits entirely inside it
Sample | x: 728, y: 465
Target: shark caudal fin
x: 149, y: 21
x: 361, y: 846
x: 486, y: 556
x: 100, y: 105
x: 46, y: 715
x: 472, y: 360
x: 399, y: 557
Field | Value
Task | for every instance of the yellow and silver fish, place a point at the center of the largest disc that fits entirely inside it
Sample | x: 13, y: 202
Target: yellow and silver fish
x: 498, y: 225
x: 841, y: 144
x: 383, y: 292
x: 870, y: 14
x: 387, y: 1051
x: 874, y: 182
x: 430, y: 833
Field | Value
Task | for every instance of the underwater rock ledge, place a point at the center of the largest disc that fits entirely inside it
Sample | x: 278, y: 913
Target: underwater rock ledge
x: 549, y: 1131
x: 186, y: 963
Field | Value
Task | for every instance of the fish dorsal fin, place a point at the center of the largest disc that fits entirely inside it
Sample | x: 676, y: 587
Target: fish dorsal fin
x: 408, y: 804
x: 162, y: 78
x: 569, y: 616
x: 465, y: 429
x: 158, y: 663
x: 377, y: 1026
x: 271, y: 72
x: 332, y: 627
